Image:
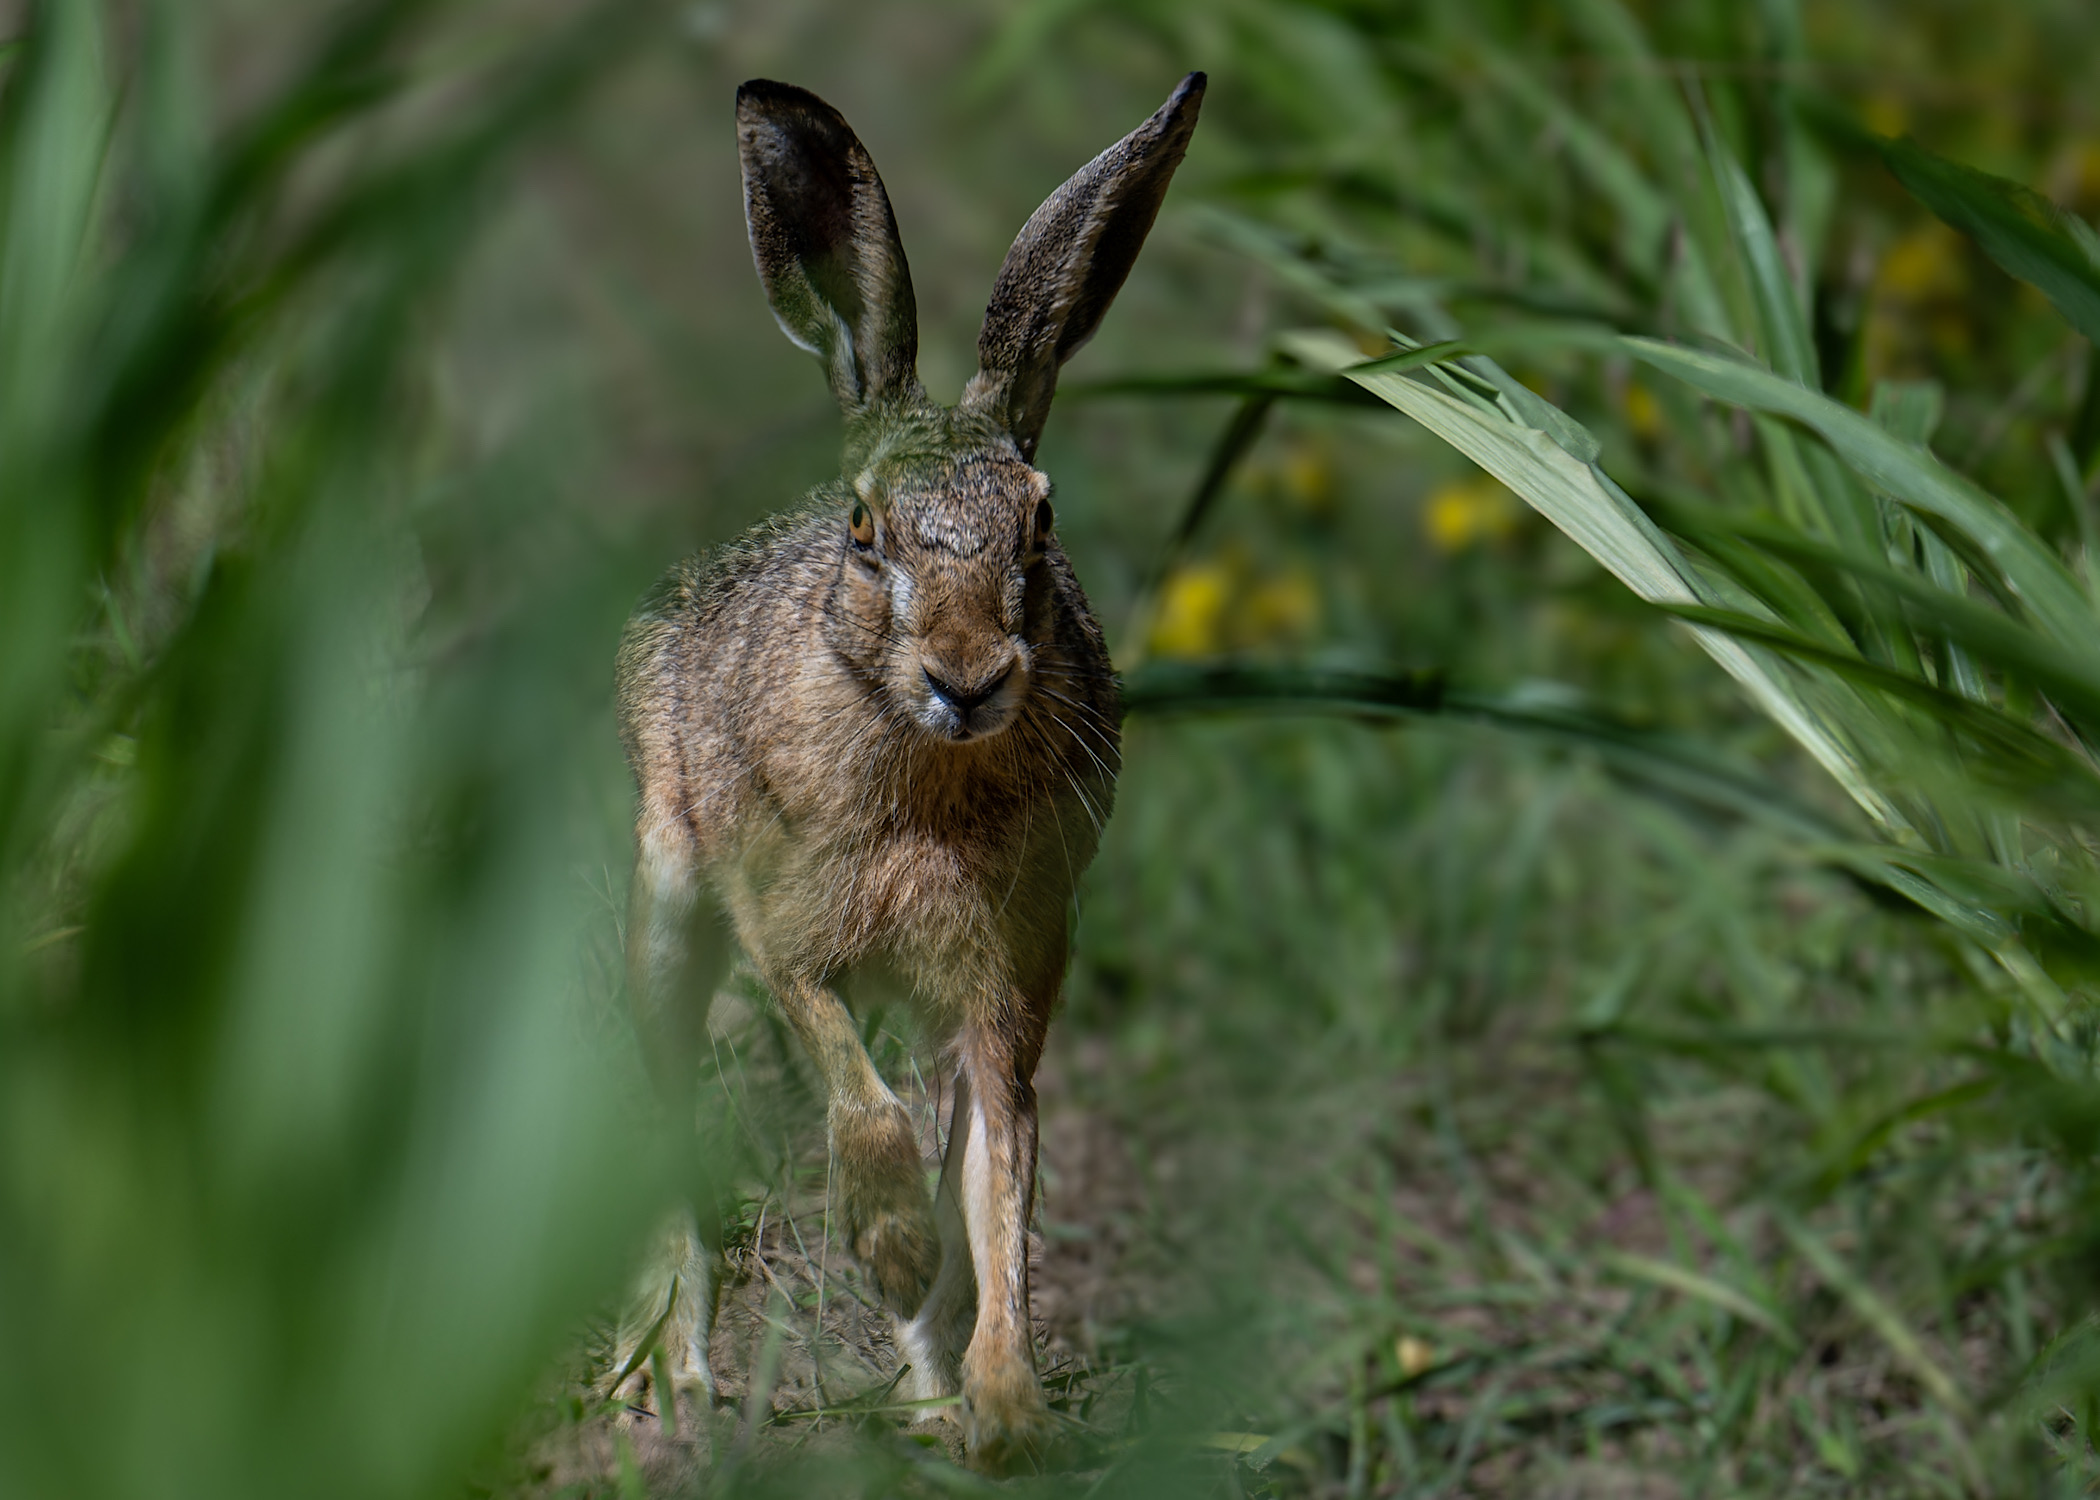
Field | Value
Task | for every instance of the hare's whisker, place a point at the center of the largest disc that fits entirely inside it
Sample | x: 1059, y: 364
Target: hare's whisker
x: 1085, y: 708
x: 1021, y: 856
x: 1073, y: 730
x: 1072, y: 781
x: 1071, y: 875
x: 1098, y: 733
x: 1076, y: 677
x: 1080, y: 792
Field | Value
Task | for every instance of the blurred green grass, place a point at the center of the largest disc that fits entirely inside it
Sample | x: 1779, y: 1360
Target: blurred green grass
x: 311, y: 1152
x: 1500, y: 1117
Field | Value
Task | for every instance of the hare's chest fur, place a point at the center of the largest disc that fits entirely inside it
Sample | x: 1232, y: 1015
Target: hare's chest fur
x: 833, y: 827
x: 940, y: 859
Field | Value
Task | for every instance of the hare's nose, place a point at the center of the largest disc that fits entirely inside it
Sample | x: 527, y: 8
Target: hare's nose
x: 962, y: 699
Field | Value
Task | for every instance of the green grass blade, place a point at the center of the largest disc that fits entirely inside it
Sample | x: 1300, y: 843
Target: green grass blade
x: 1239, y: 435
x: 2023, y: 750
x: 1781, y: 318
x: 1284, y: 384
x: 2027, y: 235
x: 1910, y: 473
x: 55, y: 130
x: 1704, y: 1288
x: 1564, y: 489
x: 1599, y: 518
x: 54, y: 123
x: 1673, y: 763
x: 1934, y: 608
x: 1887, y: 1324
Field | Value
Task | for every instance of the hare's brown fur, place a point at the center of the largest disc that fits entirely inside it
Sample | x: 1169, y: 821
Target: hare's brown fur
x: 884, y: 727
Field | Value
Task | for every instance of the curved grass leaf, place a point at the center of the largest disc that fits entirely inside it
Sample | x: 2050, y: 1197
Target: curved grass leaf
x: 1888, y: 1324
x: 1787, y: 344
x: 1909, y: 473
x: 1696, y: 1284
x: 2070, y: 679
x: 1598, y: 517
x: 2042, y: 762
x: 1682, y: 766
x: 2027, y: 235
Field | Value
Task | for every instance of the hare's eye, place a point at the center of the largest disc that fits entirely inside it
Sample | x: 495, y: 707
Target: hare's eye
x: 1043, y: 519
x: 863, y: 524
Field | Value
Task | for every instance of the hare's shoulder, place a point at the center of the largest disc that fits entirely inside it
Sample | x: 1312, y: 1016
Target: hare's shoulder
x: 799, y: 545
x: 1079, y: 642
x: 729, y: 609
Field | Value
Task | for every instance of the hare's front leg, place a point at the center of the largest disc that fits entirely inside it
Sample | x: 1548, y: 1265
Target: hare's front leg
x: 675, y: 954
x: 881, y: 1189
x: 1005, y: 1419
x: 673, y: 1307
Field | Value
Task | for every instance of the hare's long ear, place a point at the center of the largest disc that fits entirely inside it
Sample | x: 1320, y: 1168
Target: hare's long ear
x: 826, y: 243
x: 1068, y: 264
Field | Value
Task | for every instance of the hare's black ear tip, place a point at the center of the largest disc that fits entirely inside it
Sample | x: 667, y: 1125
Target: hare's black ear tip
x: 1189, y: 92
x: 762, y: 96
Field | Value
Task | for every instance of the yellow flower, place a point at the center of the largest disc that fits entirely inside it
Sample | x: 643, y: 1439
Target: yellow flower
x: 1285, y: 606
x: 1924, y: 264
x: 1643, y: 412
x: 1467, y: 511
x: 1191, y: 613
x: 1308, y: 478
x: 1886, y: 114
x: 2074, y: 178
x: 1414, y: 1355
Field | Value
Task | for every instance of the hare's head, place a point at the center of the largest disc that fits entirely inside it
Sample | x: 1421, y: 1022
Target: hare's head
x: 948, y: 565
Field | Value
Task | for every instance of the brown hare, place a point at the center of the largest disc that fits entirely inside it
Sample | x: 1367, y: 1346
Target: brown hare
x: 882, y: 729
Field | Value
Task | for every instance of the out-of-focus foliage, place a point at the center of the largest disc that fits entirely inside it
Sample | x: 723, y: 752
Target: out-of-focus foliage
x: 1524, y: 1070
x: 309, y: 1158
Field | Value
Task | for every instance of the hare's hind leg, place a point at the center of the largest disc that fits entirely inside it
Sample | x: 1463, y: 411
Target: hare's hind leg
x: 932, y: 1343
x: 676, y: 952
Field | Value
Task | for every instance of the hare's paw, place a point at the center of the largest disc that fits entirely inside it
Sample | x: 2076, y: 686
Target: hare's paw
x: 930, y: 1344
x: 673, y: 1310
x: 886, y: 1215
x: 691, y: 1375
x: 1007, y: 1426
x: 899, y: 1248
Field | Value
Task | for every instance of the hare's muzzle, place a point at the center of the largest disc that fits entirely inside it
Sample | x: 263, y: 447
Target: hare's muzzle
x: 969, y: 709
